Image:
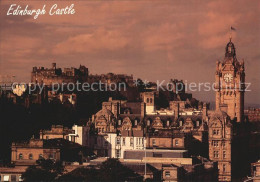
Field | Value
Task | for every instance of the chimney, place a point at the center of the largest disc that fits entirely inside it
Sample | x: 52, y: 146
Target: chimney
x: 204, y: 111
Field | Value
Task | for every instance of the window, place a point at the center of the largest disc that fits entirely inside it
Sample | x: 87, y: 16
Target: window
x: 119, y: 122
x: 215, y: 154
x: 147, y: 100
x: 140, y: 141
x: 176, y: 142
x: 154, y: 142
x: 20, y: 156
x: 224, y: 154
x: 118, y: 153
x: 198, y: 123
x: 224, y: 144
x: 30, y: 156
x: 135, y: 122
x: 168, y: 123
x: 52, y: 156
x: 73, y: 138
x: 6, y: 177
x: 137, y: 141
x: 167, y: 174
x: 151, y: 100
x: 124, y: 141
x: 67, y: 138
x: 40, y: 156
x: 47, y: 137
x: 180, y: 123
x: 131, y: 142
x: 148, y: 122
x: 118, y: 141
x: 13, y: 177
x: 215, y: 143
x: 224, y: 167
x: 215, y: 132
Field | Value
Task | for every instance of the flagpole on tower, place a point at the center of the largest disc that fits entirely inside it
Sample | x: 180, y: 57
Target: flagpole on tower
x: 231, y: 29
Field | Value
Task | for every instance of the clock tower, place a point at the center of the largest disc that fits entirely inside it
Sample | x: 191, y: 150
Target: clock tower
x: 229, y: 84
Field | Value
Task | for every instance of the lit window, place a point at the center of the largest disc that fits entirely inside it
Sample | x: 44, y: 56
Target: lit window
x: 20, y: 156
x: 198, y: 123
x: 180, y: 123
x: 167, y: 174
x: 6, y: 177
x: 30, y: 156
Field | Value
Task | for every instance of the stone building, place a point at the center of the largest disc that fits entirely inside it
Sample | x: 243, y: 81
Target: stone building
x: 220, y: 142
x: 28, y: 153
x: 54, y: 75
x: 78, y: 134
x: 162, y: 129
x: 230, y: 80
x: 227, y: 129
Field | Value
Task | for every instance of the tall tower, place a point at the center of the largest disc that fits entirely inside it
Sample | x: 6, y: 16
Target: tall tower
x: 229, y: 84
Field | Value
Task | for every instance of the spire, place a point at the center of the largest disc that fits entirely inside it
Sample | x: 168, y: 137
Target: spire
x: 230, y: 49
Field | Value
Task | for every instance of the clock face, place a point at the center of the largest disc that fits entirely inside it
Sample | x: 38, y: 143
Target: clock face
x: 228, y: 77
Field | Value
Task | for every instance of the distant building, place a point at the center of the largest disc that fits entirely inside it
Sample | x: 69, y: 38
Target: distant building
x: 54, y: 75
x: 78, y: 134
x: 253, y: 114
x: 27, y: 153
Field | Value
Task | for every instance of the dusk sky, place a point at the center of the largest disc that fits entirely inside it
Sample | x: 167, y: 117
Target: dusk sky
x: 153, y: 40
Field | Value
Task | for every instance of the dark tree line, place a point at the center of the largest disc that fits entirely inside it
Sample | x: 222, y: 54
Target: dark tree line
x: 110, y: 170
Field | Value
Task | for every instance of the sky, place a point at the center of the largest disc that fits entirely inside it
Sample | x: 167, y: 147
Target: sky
x: 153, y: 40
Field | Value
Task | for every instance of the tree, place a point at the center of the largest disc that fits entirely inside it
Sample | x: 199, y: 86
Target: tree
x: 81, y: 174
x: 46, y: 170
x: 114, y: 170
x: 110, y: 170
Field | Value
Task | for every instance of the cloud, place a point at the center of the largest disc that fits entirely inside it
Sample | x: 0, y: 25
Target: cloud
x: 92, y: 42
